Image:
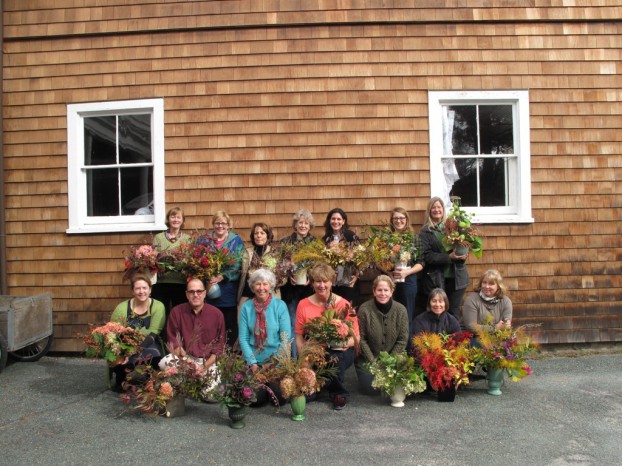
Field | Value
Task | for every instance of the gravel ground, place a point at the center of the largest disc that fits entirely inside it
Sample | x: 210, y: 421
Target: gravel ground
x: 569, y: 412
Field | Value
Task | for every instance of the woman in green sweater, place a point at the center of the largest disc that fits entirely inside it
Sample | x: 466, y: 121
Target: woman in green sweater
x: 146, y: 315
x: 384, y: 326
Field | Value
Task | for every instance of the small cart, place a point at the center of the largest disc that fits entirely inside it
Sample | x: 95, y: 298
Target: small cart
x: 26, y: 330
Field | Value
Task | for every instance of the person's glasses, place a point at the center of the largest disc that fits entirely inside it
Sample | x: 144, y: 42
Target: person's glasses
x: 220, y: 224
x: 399, y: 219
x: 197, y: 292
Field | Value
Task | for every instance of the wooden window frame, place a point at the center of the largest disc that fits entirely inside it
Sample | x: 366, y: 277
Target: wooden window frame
x: 519, y: 208
x: 79, y: 221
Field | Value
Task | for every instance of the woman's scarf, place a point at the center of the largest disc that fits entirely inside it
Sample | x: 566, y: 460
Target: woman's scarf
x: 260, y: 330
x: 494, y: 300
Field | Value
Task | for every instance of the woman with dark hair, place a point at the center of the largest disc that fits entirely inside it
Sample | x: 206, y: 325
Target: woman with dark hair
x: 170, y: 287
x: 336, y: 231
x: 436, y: 319
x: 442, y: 269
x: 146, y: 315
x: 254, y: 258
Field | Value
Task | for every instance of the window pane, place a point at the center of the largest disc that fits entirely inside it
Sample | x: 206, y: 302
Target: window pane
x: 496, y: 129
x: 102, y: 189
x: 460, y: 130
x: 492, y: 182
x: 466, y: 186
x: 136, y: 189
x: 100, y: 140
x: 134, y: 138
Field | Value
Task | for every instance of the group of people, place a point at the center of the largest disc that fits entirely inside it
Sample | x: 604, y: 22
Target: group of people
x: 260, y: 314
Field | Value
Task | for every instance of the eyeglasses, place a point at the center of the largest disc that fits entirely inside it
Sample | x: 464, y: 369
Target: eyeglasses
x: 197, y: 292
x: 399, y: 219
x: 221, y: 224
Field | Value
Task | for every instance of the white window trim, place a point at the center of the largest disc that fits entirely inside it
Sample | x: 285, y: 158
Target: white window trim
x: 520, y: 100
x: 79, y: 222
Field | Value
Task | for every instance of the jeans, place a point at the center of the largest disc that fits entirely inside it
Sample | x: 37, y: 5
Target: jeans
x: 342, y: 360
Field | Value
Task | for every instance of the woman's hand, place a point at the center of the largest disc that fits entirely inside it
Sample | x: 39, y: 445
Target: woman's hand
x: 254, y: 368
x: 215, y: 280
x: 353, y: 280
x: 401, y: 274
x: 504, y: 324
x: 453, y: 256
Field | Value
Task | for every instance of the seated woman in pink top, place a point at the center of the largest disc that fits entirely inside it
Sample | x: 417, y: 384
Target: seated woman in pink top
x: 322, y: 277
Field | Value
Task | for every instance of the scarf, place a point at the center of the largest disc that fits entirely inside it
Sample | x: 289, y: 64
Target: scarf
x: 494, y: 300
x: 260, y: 321
x: 172, y: 238
x: 384, y: 308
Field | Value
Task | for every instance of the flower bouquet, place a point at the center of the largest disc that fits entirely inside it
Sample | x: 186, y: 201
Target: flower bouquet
x: 331, y: 329
x: 184, y: 378
x: 388, y: 249
x: 446, y: 359
x: 397, y: 372
x: 173, y: 259
x: 506, y: 348
x: 237, y: 386
x: 113, y: 341
x: 353, y: 257
x: 459, y: 231
x: 205, y: 261
x: 143, y: 258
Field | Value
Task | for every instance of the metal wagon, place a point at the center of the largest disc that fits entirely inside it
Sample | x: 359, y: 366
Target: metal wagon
x: 26, y: 330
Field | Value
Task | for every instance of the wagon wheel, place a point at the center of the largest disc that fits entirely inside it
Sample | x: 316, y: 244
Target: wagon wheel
x: 35, y: 351
x: 3, y: 352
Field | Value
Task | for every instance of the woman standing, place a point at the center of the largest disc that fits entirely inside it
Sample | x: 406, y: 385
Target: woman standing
x: 336, y: 231
x: 229, y: 280
x: 322, y: 277
x: 146, y: 315
x: 170, y: 288
x: 436, y: 319
x: 406, y: 277
x: 442, y: 269
x: 488, y: 304
x: 261, y: 238
x: 383, y: 323
x: 292, y: 292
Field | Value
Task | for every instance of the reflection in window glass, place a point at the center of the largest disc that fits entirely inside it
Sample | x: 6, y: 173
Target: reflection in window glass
x: 134, y: 138
x: 100, y: 146
x: 136, y: 189
x: 102, y: 191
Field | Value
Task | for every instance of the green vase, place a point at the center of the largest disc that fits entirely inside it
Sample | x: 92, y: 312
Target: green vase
x: 298, y: 404
x: 494, y: 377
x: 237, y: 415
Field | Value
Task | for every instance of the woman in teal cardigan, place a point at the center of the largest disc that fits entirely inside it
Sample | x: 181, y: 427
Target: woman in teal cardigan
x: 264, y: 324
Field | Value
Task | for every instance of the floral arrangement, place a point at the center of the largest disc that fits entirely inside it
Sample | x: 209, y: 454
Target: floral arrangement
x: 331, y: 328
x: 142, y: 258
x: 172, y: 260
x: 184, y: 377
x: 446, y: 359
x: 302, y: 375
x: 506, y: 348
x: 205, y: 261
x: 460, y: 231
x: 113, y: 341
x: 388, y: 248
x: 237, y: 385
x: 391, y: 371
x: 337, y: 254
x: 274, y: 261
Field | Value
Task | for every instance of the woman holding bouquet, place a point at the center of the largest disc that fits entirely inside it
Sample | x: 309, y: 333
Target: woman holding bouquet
x: 488, y: 304
x: 146, y: 315
x: 411, y: 252
x: 337, y: 233
x: 292, y: 292
x: 264, y: 323
x: 256, y: 257
x: 436, y: 319
x: 443, y: 269
x: 323, y: 299
x: 383, y: 323
x: 228, y: 280
x: 170, y: 288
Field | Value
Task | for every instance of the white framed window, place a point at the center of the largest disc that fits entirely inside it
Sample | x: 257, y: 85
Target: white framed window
x: 115, y: 166
x: 479, y: 152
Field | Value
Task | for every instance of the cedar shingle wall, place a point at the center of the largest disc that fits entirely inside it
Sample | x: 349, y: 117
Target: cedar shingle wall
x: 267, y: 118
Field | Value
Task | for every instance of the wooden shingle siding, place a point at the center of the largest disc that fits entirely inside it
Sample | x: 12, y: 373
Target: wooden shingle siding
x: 271, y: 106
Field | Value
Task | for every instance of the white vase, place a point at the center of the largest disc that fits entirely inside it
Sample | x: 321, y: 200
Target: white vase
x: 400, y: 266
x: 214, y: 291
x: 301, y: 277
x: 398, y: 397
x: 154, y: 278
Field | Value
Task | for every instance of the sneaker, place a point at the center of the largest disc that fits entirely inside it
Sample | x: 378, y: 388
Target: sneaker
x: 339, y: 401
